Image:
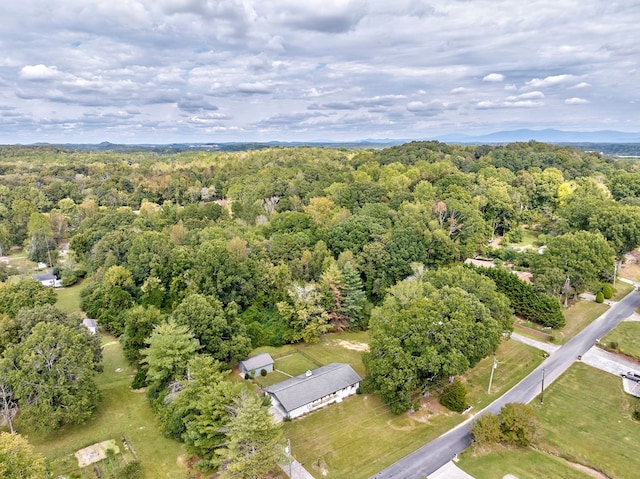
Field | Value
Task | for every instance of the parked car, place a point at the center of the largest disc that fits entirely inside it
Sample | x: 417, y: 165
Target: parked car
x: 631, y: 375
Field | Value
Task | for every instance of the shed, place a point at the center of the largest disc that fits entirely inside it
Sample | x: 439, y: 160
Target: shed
x: 48, y: 279
x: 91, y: 325
x: 314, y: 389
x: 255, y: 364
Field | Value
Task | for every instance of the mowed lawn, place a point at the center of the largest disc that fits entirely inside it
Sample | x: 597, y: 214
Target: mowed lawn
x: 627, y: 335
x: 121, y: 411
x: 360, y: 436
x: 578, y: 316
x: 69, y: 299
x: 521, y: 463
x: 586, y: 416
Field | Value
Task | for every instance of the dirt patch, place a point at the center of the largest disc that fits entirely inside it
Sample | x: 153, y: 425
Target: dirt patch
x: 587, y: 470
x: 96, y: 452
x: 353, y: 345
x: 110, y: 343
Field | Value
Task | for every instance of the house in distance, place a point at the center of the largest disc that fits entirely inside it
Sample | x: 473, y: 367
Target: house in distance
x: 254, y: 365
x: 314, y: 389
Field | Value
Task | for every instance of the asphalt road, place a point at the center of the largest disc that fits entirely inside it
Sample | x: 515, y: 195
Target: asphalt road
x: 438, y: 452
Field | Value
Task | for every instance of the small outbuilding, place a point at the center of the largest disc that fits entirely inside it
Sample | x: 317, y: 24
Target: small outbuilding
x: 91, y: 325
x: 314, y: 389
x: 48, y: 279
x: 255, y: 364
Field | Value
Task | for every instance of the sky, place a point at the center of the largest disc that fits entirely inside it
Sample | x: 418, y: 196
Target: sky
x: 164, y: 71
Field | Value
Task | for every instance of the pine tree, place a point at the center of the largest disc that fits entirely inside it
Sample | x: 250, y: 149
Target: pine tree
x: 254, y: 441
x: 353, y: 296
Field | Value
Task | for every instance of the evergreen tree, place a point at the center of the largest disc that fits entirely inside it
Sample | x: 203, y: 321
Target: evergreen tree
x: 254, y: 443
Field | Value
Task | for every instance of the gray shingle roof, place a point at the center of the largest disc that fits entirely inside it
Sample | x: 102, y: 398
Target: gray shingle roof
x: 303, y: 389
x: 257, y: 362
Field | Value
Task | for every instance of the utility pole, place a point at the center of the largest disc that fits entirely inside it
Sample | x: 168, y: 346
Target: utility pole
x: 287, y: 451
x: 542, y: 392
x: 493, y: 368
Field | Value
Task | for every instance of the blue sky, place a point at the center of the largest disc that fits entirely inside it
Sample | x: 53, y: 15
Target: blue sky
x: 133, y: 71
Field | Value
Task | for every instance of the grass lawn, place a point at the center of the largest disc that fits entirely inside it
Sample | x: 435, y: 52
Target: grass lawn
x: 621, y: 290
x: 338, y: 438
x: 529, y: 238
x: 515, y: 361
x: 69, y: 299
x: 630, y: 271
x: 523, y: 463
x: 627, y: 335
x: 586, y: 416
x: 578, y: 316
x: 121, y: 411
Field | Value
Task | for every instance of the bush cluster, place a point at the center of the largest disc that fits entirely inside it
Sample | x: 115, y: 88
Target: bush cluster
x: 527, y: 303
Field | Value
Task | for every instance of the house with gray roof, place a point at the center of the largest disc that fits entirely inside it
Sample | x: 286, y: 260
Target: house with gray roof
x: 255, y: 364
x: 314, y: 389
x: 48, y: 279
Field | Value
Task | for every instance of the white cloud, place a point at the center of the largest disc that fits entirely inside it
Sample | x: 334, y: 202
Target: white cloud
x: 494, y: 77
x: 576, y: 101
x: 581, y: 85
x: 551, y: 81
x: 459, y: 90
x: 39, y: 72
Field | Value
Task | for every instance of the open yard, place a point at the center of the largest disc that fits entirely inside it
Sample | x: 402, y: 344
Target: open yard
x: 586, y: 417
x: 522, y: 463
x: 627, y: 335
x: 69, y: 299
x: 121, y: 412
x: 336, y: 442
x: 621, y: 290
x: 578, y: 316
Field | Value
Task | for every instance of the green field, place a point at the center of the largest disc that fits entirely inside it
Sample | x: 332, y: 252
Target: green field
x: 621, y: 290
x: 586, y: 417
x: 121, y: 411
x: 578, y: 317
x: 338, y: 438
x: 523, y: 463
x: 69, y: 299
x: 627, y: 335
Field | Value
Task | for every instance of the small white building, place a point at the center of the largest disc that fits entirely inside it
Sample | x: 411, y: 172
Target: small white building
x: 255, y: 364
x: 314, y: 389
x: 91, y: 325
x: 48, y: 279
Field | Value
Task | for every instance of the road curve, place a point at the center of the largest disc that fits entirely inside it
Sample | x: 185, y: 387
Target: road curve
x: 438, y: 452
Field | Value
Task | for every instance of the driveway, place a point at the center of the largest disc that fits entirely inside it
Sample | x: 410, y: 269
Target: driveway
x: 614, y: 364
x: 450, y: 471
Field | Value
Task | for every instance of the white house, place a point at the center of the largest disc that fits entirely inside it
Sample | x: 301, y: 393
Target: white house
x: 255, y: 364
x: 314, y: 389
x: 48, y: 279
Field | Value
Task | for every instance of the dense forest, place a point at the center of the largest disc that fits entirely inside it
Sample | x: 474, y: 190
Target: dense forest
x: 207, y: 255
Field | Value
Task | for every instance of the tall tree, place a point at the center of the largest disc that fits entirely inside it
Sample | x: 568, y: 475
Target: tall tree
x: 254, y: 445
x: 18, y: 460
x: 52, y: 375
x: 171, y: 346
x: 305, y: 313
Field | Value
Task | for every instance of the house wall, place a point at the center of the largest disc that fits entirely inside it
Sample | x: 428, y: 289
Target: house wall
x: 324, y: 401
x: 267, y: 367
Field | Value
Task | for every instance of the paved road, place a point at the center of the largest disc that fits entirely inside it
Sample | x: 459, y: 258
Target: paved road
x: 438, y: 452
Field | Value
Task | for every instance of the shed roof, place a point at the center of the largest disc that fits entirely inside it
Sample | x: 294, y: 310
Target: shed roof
x: 304, y: 389
x: 258, y: 361
x: 44, y: 277
x: 89, y: 323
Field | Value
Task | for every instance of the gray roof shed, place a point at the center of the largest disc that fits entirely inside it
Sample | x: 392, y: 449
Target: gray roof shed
x: 257, y: 362
x: 306, y: 388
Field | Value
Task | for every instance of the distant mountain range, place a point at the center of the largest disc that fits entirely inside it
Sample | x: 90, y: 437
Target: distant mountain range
x: 546, y: 136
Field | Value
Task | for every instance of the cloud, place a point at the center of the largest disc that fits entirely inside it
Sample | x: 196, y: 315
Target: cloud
x: 493, y: 78
x: 39, y: 72
x: 258, y: 88
x: 576, y: 101
x: 551, y: 81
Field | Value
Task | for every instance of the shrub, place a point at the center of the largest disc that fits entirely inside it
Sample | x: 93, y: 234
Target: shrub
x: 454, y: 396
x: 599, y: 297
x: 69, y: 278
x: 636, y: 413
x: 486, y: 430
x: 247, y: 376
x: 613, y: 345
x: 607, y: 291
x: 263, y: 372
x: 140, y: 379
x: 519, y: 425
